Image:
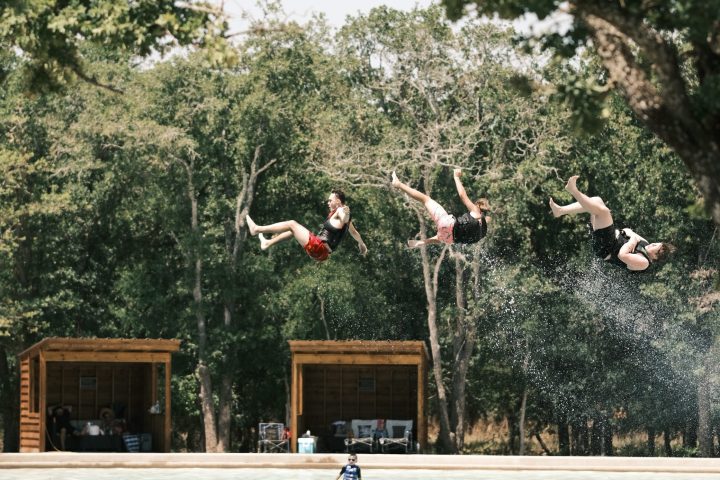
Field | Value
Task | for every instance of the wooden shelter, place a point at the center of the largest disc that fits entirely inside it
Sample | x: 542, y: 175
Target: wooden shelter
x: 344, y: 380
x: 87, y: 375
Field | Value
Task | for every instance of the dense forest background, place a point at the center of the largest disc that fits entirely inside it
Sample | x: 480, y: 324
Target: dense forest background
x: 123, y: 196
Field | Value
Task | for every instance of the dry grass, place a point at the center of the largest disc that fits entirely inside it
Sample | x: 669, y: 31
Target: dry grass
x: 492, y: 438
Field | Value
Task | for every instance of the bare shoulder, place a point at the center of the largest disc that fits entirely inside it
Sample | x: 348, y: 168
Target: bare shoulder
x: 476, y: 212
x: 343, y: 213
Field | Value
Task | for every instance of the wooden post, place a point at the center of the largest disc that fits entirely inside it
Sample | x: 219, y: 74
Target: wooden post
x: 42, y: 400
x: 342, y: 392
x: 154, y: 383
x: 325, y: 419
x: 129, y: 394
x: 421, y: 426
x: 168, y: 404
x: 294, y: 406
x: 96, y: 392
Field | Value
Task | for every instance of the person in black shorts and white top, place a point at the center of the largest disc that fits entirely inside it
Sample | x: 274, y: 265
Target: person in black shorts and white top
x: 350, y: 471
x: 622, y: 247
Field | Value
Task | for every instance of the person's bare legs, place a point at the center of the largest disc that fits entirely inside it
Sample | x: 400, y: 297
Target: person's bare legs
x: 301, y: 234
x: 428, y: 202
x: 414, y: 194
x: 266, y: 243
x: 600, y: 216
x: 560, y: 210
x: 419, y: 243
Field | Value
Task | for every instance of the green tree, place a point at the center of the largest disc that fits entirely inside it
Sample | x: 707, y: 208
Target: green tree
x: 51, y: 34
x: 663, y: 58
x: 425, y: 98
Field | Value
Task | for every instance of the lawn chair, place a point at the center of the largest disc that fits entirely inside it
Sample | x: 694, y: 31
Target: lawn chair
x: 399, y: 435
x: 273, y: 438
x: 363, y: 435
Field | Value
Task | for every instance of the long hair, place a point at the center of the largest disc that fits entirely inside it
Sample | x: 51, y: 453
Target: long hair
x: 483, y: 204
x: 665, y: 250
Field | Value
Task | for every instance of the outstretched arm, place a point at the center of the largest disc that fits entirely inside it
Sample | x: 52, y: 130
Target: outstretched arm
x: 356, y: 235
x: 634, y: 261
x: 457, y: 173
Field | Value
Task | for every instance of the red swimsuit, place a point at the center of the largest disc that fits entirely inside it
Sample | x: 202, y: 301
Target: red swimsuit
x: 317, y: 249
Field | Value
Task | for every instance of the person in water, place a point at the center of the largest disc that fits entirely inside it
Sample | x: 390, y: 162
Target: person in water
x: 470, y: 227
x: 337, y: 224
x: 622, y: 247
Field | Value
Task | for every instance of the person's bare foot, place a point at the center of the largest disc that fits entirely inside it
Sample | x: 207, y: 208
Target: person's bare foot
x: 555, y: 208
x: 264, y: 242
x: 413, y: 243
x: 252, y: 227
x: 395, y: 180
x: 571, y: 185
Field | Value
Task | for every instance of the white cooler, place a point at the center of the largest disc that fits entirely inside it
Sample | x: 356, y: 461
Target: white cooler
x: 306, y: 445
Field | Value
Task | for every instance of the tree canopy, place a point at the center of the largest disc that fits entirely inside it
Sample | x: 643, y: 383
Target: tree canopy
x: 662, y: 57
x: 51, y: 34
x: 124, y: 216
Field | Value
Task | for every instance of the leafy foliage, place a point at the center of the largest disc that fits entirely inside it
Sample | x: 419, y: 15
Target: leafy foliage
x: 97, y: 236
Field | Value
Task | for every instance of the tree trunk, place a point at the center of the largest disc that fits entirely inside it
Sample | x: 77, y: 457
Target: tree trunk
x: 8, y: 408
x: 666, y: 443
x: 203, y: 372
x: 521, y: 423
x: 430, y: 278
x: 585, y: 436
x: 523, y: 405
x: 321, y: 301
x: 224, y: 424
x: 512, y: 422
x: 563, y: 438
x: 704, y: 430
x: 464, y: 339
x: 208, y: 410
x: 225, y: 411
x: 235, y: 243
x: 690, y: 434
x: 597, y: 434
x: 651, y: 441
x: 608, y: 439
x: 544, y: 447
x: 601, y: 436
x: 579, y: 437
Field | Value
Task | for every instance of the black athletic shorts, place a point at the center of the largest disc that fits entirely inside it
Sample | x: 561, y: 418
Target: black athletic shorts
x: 604, y: 241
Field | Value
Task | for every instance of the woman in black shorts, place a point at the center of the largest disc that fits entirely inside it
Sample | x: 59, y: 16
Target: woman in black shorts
x: 623, y: 247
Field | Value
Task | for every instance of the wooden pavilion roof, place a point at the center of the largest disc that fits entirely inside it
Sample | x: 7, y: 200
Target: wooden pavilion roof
x: 60, y: 344
x: 385, y: 347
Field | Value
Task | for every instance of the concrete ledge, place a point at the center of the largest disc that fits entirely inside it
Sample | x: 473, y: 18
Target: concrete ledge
x: 335, y: 461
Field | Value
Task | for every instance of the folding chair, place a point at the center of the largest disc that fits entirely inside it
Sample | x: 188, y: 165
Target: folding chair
x: 363, y: 435
x: 272, y: 438
x: 399, y: 435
